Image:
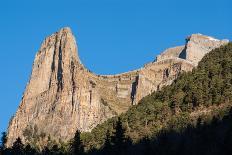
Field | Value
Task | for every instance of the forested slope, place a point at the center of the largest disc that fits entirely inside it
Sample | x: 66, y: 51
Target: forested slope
x: 204, y: 93
x: 191, y: 116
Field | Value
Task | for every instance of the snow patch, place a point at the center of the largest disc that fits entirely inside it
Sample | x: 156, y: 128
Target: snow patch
x: 212, y: 39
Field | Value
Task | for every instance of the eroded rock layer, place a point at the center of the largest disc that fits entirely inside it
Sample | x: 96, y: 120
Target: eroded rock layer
x: 63, y: 96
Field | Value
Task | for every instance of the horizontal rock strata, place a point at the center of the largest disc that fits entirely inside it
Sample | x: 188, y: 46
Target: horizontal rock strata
x: 63, y: 96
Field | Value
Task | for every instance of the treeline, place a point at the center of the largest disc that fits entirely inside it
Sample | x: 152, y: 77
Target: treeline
x: 204, y: 137
x: 191, y: 116
x: 75, y: 147
x: 115, y: 143
x: 208, y: 84
x: 212, y: 138
x: 207, y: 88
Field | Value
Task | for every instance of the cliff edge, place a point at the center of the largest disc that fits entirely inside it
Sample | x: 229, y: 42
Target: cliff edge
x: 63, y: 96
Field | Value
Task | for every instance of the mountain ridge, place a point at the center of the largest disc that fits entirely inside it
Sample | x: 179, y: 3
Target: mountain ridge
x: 194, y: 98
x: 63, y: 96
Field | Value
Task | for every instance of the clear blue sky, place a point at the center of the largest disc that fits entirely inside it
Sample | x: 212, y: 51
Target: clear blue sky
x: 113, y: 35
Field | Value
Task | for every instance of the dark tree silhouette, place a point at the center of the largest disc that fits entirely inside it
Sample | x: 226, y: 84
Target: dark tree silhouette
x: 18, y: 147
x: 147, y: 149
x: 29, y: 150
x: 77, y: 147
x: 3, y: 141
x: 46, y: 151
x: 56, y: 150
x: 209, y: 84
x: 107, y: 145
x: 119, y: 139
x: 228, y: 139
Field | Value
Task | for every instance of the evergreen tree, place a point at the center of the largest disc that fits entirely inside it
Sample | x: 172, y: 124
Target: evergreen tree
x: 3, y: 143
x: 55, y: 150
x: 76, y: 145
x: 18, y: 147
x: 119, y: 138
x: 29, y: 150
x: 107, y: 145
x: 46, y: 151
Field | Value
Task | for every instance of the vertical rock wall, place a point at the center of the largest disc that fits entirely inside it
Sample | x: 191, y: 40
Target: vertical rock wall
x: 63, y: 96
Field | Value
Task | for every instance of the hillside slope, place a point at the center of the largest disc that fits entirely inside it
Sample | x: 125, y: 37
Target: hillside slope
x: 63, y: 96
x: 191, y: 116
x: 204, y: 93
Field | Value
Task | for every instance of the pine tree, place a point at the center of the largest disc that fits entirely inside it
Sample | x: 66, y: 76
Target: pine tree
x: 3, y: 142
x: 29, y: 150
x: 119, y: 138
x: 55, y: 150
x: 18, y: 147
x: 77, y: 146
x: 46, y: 151
x: 107, y: 145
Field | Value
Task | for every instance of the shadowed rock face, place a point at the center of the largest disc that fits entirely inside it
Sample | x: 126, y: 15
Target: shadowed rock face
x: 63, y: 96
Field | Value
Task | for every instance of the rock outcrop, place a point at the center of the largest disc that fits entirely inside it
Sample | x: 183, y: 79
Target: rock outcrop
x: 63, y: 96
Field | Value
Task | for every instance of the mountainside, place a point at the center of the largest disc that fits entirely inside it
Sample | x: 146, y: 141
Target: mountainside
x: 192, y: 115
x: 63, y: 96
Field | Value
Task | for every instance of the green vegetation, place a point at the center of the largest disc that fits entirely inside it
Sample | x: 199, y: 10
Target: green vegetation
x: 206, y: 87
x: 191, y: 116
x: 208, y: 84
x: 76, y: 145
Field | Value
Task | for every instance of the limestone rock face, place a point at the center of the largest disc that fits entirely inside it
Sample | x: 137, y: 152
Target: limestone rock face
x: 170, y: 53
x: 63, y: 96
x: 198, y: 45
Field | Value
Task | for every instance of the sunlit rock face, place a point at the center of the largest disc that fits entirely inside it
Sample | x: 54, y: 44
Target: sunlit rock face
x: 63, y: 96
x: 198, y: 45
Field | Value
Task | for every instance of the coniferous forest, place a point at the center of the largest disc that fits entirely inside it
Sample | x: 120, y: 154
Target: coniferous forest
x: 191, y: 116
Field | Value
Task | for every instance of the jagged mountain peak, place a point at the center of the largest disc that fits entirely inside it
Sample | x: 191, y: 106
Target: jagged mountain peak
x: 63, y: 96
x: 60, y: 40
x: 196, y: 46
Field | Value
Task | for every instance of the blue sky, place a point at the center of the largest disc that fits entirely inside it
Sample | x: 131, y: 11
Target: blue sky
x: 113, y: 36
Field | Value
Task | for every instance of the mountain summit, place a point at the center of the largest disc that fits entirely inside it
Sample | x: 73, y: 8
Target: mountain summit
x: 63, y: 96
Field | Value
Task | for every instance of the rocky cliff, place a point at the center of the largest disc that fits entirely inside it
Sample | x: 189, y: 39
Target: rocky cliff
x: 63, y: 96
